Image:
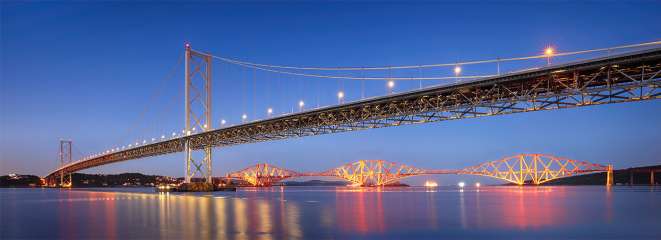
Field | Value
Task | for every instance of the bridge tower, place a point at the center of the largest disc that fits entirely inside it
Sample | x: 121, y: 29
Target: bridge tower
x: 65, y: 158
x: 198, y: 113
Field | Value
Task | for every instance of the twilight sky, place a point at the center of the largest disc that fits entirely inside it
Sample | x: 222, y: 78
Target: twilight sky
x: 106, y: 75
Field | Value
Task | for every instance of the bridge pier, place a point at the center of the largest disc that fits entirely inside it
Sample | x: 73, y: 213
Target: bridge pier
x: 652, y: 177
x: 630, y: 177
x: 609, y: 175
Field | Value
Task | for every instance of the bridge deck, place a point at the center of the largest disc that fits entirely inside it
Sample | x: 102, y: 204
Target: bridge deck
x: 620, y: 78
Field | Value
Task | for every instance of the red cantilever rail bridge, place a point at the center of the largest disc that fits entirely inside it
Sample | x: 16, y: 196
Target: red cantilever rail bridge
x: 519, y: 169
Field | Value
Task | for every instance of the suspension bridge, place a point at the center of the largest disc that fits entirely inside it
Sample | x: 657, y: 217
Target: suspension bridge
x: 618, y: 75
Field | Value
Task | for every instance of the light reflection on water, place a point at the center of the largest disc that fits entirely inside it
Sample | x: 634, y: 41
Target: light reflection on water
x: 323, y: 212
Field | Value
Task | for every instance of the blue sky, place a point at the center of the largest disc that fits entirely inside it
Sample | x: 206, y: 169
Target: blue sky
x: 88, y: 71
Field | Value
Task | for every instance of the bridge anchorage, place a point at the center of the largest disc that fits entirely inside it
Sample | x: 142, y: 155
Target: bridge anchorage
x: 533, y: 169
x: 628, y: 77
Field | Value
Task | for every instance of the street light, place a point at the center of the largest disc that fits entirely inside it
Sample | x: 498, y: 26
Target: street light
x: 391, y: 85
x: 549, y: 51
x: 457, y: 70
x: 301, y: 104
x: 244, y: 117
x: 222, y: 122
x: 269, y: 111
x: 340, y: 96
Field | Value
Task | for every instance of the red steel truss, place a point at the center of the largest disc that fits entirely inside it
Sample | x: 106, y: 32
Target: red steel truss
x: 520, y: 169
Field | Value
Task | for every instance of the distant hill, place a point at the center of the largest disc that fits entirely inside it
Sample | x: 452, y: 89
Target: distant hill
x: 14, y: 180
x: 123, y: 179
x: 619, y: 177
x: 90, y: 180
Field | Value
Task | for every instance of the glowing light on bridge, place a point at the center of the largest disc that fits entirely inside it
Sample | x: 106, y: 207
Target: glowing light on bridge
x: 477, y: 184
x: 549, y: 51
x: 457, y: 70
x: 340, y: 96
x: 269, y: 111
x: 222, y: 122
x: 461, y: 184
x: 431, y: 184
x: 301, y: 104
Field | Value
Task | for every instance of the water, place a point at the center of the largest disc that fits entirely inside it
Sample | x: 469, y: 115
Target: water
x: 337, y: 213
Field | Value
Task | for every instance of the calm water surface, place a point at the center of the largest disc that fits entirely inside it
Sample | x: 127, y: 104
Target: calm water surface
x: 335, y: 213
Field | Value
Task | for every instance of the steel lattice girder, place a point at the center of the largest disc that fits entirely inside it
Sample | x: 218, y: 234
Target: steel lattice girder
x: 262, y: 174
x: 615, y: 79
x: 376, y: 172
x: 518, y: 169
x: 536, y: 168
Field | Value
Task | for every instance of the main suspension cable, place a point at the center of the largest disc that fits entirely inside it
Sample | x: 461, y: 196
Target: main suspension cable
x: 359, y: 78
x: 244, y: 63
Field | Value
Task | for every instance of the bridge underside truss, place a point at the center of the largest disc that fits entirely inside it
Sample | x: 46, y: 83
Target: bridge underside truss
x: 616, y: 79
